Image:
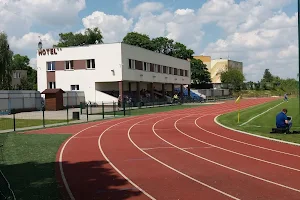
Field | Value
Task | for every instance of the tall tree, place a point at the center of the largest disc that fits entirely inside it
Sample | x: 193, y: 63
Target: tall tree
x: 199, y: 72
x: 163, y: 45
x: 90, y: 36
x: 182, y: 52
x: 139, y: 40
x: 267, y: 80
x: 5, y: 63
x: 233, y: 77
x: 268, y: 77
x: 20, y: 62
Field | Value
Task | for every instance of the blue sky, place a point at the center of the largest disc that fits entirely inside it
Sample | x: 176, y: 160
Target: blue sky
x: 261, y: 35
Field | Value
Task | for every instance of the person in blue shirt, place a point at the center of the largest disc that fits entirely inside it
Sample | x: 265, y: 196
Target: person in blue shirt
x: 282, y: 120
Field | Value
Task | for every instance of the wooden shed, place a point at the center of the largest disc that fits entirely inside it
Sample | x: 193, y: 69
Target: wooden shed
x: 54, y: 99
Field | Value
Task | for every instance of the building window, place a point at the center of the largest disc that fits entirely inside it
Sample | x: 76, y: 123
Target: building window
x: 69, y: 65
x: 164, y: 69
x: 74, y: 87
x: 90, y: 64
x: 15, y: 75
x: 186, y: 72
x: 145, y: 66
x: 52, y: 85
x: 181, y: 72
x: 51, y: 66
x: 170, y: 70
x: 131, y: 64
x: 158, y: 68
x: 175, y: 71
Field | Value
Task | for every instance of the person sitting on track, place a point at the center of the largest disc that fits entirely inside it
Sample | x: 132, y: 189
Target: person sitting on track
x: 282, y: 120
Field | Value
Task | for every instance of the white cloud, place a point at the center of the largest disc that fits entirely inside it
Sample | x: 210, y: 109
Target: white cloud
x: 147, y: 7
x: 32, y: 63
x: 28, y: 42
x: 113, y: 27
x: 256, y: 32
x: 19, y: 16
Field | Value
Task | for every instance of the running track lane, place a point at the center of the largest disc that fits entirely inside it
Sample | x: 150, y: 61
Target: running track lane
x: 84, y: 167
x: 256, y: 177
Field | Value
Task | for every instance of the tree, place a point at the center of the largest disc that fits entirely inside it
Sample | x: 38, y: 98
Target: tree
x: 139, y: 40
x: 182, y: 52
x: 267, y: 80
x: 20, y: 62
x: 199, y: 72
x: 90, y: 36
x: 163, y: 45
x: 233, y: 77
x: 5, y: 63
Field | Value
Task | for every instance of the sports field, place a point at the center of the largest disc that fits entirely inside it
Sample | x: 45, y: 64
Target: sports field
x: 179, y: 154
x: 261, y: 119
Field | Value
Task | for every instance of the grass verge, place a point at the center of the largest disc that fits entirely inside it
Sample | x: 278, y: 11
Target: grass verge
x: 29, y: 165
x: 263, y: 124
x: 8, y: 123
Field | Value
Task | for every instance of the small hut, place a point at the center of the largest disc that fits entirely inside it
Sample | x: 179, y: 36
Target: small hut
x: 54, y: 99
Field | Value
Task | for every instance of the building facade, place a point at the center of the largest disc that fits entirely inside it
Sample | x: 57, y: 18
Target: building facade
x: 217, y: 66
x: 17, y: 76
x: 105, y: 71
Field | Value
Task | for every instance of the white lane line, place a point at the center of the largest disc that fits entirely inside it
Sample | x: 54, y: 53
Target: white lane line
x: 245, y: 143
x: 230, y: 151
x: 155, y: 148
x: 221, y: 165
x: 106, y: 158
x: 173, y: 169
x: 260, y: 114
x: 61, y: 158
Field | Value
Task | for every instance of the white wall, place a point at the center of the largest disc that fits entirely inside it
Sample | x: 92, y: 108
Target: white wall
x: 107, y: 57
x: 140, y: 54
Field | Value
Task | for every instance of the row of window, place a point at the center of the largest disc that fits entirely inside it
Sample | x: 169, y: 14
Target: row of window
x: 17, y: 75
x: 69, y: 65
x: 52, y: 85
x: 150, y: 67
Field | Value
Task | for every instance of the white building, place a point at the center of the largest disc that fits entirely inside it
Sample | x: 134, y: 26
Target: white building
x: 103, y: 71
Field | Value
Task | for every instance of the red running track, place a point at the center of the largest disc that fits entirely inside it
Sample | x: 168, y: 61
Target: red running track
x: 180, y: 154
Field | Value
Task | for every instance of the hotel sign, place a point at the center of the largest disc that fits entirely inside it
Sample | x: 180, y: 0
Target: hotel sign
x: 51, y: 51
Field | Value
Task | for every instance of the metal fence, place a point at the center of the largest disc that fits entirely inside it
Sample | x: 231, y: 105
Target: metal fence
x: 22, y: 121
x: 73, y: 98
x: 21, y: 100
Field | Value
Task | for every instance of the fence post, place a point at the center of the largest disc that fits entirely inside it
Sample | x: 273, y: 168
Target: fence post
x: 14, y: 119
x: 114, y: 110
x: 67, y: 114
x: 87, y: 112
x: 102, y: 110
x: 124, y: 107
x: 81, y: 104
x: 43, y: 108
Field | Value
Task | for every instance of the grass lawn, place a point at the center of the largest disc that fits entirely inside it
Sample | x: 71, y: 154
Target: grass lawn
x: 263, y: 124
x: 29, y: 165
x: 8, y: 123
x: 143, y: 111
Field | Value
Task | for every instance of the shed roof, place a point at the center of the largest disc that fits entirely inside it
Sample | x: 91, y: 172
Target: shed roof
x: 52, y: 91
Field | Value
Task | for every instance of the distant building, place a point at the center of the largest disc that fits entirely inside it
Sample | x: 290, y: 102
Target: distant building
x: 17, y: 75
x: 217, y: 66
x: 105, y: 72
